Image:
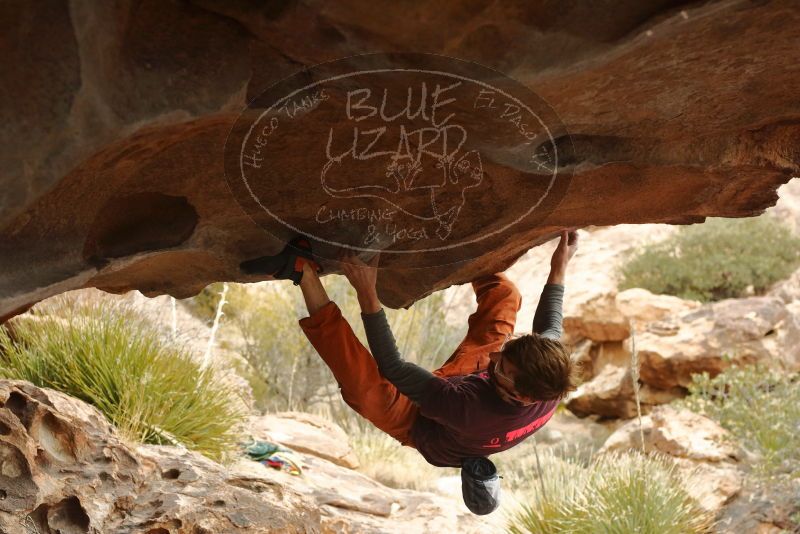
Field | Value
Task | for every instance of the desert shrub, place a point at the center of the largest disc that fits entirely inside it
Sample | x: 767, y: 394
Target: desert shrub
x: 259, y: 387
x: 519, y: 466
x: 113, y: 358
x: 761, y: 409
x: 615, y: 493
x: 718, y: 259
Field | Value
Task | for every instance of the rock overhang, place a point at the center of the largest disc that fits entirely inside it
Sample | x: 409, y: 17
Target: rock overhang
x: 673, y: 115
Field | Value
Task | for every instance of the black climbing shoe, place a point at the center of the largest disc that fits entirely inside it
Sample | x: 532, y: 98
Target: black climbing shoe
x: 288, y: 265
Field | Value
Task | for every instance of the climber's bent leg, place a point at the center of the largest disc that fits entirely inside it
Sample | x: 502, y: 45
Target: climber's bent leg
x: 361, y: 384
x: 498, y: 302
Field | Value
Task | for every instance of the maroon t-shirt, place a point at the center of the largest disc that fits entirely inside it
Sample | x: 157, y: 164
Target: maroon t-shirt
x: 464, y: 417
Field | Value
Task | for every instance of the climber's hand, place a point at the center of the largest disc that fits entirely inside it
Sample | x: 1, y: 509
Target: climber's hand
x: 362, y: 276
x: 564, y: 251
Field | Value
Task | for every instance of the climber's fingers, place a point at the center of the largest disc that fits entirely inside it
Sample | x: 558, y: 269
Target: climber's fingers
x: 350, y: 260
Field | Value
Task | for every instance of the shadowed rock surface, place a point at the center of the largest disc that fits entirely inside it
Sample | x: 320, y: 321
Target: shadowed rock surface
x: 116, y: 114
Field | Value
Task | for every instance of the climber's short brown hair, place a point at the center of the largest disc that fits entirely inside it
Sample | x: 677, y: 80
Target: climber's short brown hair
x: 545, y: 370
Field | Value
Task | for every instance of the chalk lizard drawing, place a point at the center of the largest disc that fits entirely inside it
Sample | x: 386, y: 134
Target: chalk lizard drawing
x: 407, y: 175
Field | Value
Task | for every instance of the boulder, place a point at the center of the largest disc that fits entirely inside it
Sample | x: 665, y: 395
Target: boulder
x: 609, y: 393
x: 642, y: 307
x: 701, y: 449
x: 608, y: 317
x: 763, y: 508
x: 712, y: 485
x: 352, y: 502
x: 608, y: 389
x: 675, y: 339
x: 685, y: 434
x: 306, y: 433
x: 114, y: 159
x: 592, y: 271
x: 583, y: 354
x: 715, y: 336
x: 598, y: 319
x: 787, y: 290
x: 63, y: 468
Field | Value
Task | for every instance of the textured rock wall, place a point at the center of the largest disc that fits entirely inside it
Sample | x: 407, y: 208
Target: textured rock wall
x: 64, y: 469
x: 115, y: 116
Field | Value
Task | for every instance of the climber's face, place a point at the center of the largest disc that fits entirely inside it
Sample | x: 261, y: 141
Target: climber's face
x: 502, y: 373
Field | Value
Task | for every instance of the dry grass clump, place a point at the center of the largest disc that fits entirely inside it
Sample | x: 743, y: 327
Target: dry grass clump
x: 113, y: 358
x: 624, y: 493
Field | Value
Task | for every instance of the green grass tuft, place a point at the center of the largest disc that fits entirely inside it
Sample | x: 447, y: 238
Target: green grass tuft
x: 627, y: 493
x: 112, y: 358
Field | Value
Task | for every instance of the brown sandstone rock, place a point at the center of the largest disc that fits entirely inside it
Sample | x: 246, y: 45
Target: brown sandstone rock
x: 713, y: 485
x: 716, y: 335
x: 609, y: 393
x: 65, y: 468
x: 352, y: 502
x: 765, y: 508
x: 598, y: 319
x: 113, y: 135
x: 675, y: 340
x: 608, y: 316
x: 609, y: 389
x: 583, y: 353
x: 642, y: 307
x: 685, y: 434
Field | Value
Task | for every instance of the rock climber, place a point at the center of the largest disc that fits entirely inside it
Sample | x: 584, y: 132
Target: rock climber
x: 495, y: 390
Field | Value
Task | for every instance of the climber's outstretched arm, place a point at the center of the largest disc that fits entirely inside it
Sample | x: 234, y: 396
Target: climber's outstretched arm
x: 566, y: 248
x: 548, y: 317
x: 410, y: 379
